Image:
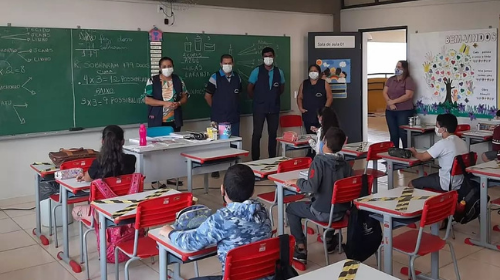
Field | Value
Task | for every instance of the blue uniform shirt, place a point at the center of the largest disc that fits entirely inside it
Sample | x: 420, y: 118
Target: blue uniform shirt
x: 255, y: 75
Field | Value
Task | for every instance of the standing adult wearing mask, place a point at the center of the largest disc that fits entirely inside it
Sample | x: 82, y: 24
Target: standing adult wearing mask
x: 165, y: 95
x: 222, y: 94
x: 265, y: 86
x: 398, y: 93
x: 314, y: 94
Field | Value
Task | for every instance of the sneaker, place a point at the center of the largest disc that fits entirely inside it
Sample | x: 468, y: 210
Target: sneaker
x: 300, y: 255
x: 333, y: 245
x: 215, y: 175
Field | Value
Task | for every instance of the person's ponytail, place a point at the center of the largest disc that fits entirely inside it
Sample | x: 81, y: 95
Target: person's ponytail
x: 111, y: 155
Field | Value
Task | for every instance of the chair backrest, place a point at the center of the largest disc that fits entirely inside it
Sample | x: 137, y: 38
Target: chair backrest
x: 255, y: 260
x: 378, y: 148
x: 159, y: 131
x: 468, y: 162
x: 438, y: 208
x: 294, y: 164
x: 161, y: 210
x: 291, y: 121
x: 83, y: 163
x: 462, y: 127
x: 348, y: 189
x: 119, y: 185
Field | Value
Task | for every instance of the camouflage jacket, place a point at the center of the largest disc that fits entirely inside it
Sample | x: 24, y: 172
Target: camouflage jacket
x: 235, y: 225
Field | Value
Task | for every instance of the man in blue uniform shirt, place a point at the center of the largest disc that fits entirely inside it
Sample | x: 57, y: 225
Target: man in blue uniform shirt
x: 222, y: 94
x: 265, y: 86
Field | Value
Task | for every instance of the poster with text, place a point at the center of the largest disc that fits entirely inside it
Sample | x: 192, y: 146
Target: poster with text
x: 455, y: 72
x: 335, y: 71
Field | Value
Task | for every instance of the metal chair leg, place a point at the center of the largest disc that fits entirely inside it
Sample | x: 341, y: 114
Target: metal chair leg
x: 379, y: 257
x: 80, y: 226
x: 117, y: 270
x: 196, y: 271
x: 50, y: 218
x: 412, y: 268
x: 85, y: 252
x: 340, y: 241
x: 325, y: 231
x: 271, y: 215
x: 454, y: 258
x: 55, y: 224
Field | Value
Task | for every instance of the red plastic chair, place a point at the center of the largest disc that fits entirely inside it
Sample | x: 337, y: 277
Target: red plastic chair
x: 285, y: 166
x: 120, y: 186
x: 344, y: 191
x: 84, y: 164
x: 255, y: 260
x: 373, y: 154
x: 288, y: 121
x: 150, y: 213
x: 456, y: 169
x: 417, y: 243
x: 461, y: 128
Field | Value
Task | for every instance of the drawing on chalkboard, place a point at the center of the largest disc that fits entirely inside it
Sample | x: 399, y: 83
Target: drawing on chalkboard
x: 230, y: 49
x: 21, y: 120
x: 197, y: 44
x: 28, y: 90
x: 335, y: 71
x: 249, y: 51
x: 188, y: 46
x: 209, y: 47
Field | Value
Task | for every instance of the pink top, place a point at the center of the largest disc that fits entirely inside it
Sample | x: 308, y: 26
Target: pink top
x: 397, y: 88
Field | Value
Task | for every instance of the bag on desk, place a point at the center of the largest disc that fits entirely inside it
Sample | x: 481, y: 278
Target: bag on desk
x: 400, y: 153
x: 364, y: 234
x: 290, y: 136
x: 64, y: 155
x: 191, y: 217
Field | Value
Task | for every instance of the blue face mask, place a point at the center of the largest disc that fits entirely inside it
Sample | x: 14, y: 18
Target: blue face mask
x: 398, y: 72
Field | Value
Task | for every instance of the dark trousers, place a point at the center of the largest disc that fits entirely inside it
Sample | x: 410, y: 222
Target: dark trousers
x: 311, y: 153
x: 207, y: 278
x: 172, y: 124
x: 395, y: 119
x: 297, y: 211
x: 272, y: 130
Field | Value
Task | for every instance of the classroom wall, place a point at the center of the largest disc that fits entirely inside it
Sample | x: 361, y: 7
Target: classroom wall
x: 15, y: 174
x: 424, y: 16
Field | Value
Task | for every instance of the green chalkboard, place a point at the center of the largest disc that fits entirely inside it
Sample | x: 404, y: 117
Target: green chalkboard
x: 35, y: 80
x: 197, y: 57
x: 55, y: 79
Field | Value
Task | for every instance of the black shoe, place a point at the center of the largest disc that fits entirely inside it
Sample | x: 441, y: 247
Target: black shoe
x: 174, y: 182
x: 300, y: 255
x: 333, y: 245
x: 215, y: 175
x: 162, y: 186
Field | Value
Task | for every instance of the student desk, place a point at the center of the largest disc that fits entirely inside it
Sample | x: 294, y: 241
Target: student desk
x: 485, y: 171
x: 162, y: 160
x: 204, y: 162
x: 416, y: 130
x: 265, y: 167
x: 333, y: 271
x: 357, y: 150
x: 301, y: 143
x: 67, y: 186
x: 400, y: 162
x: 280, y: 179
x: 106, y: 211
x: 478, y: 136
x: 169, y: 254
x: 41, y: 169
x: 387, y: 209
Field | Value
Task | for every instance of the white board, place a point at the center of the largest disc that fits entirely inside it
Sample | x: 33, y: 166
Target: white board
x: 455, y: 72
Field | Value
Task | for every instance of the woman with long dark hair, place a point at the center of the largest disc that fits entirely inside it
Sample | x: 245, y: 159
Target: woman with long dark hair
x: 398, y: 94
x: 111, y: 162
x: 327, y: 119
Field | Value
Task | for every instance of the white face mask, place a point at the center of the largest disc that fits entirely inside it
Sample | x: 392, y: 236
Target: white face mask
x: 313, y: 75
x: 167, y: 71
x: 436, y: 129
x: 398, y: 72
x: 268, y: 61
x: 227, y: 68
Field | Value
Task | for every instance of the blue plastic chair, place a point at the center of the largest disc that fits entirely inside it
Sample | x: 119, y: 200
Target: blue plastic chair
x: 159, y: 131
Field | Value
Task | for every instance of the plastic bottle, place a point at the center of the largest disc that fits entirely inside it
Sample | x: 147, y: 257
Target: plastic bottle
x: 142, y: 135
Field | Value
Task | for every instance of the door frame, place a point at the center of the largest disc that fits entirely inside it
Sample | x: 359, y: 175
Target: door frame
x: 364, y: 69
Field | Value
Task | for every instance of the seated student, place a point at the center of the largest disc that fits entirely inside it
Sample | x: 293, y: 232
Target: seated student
x: 327, y: 118
x: 324, y: 171
x: 444, y: 151
x: 241, y: 222
x: 111, y: 162
x: 492, y: 155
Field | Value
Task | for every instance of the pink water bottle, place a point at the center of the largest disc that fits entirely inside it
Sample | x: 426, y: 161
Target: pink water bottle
x: 142, y: 135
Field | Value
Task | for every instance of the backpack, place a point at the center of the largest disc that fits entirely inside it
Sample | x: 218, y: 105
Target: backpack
x: 191, y: 217
x: 364, y: 234
x: 469, y: 192
x: 284, y: 269
x: 116, y: 235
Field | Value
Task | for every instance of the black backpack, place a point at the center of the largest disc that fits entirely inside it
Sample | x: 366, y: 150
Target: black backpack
x: 470, y: 192
x: 284, y: 269
x: 364, y: 234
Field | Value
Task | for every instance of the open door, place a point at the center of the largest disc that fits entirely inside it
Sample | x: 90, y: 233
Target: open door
x: 339, y: 56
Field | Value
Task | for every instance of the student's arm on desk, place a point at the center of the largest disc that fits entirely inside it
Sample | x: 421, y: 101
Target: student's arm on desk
x: 208, y: 233
x: 425, y: 156
x: 312, y: 184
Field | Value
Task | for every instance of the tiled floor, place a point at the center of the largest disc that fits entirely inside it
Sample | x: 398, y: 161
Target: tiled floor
x: 22, y: 257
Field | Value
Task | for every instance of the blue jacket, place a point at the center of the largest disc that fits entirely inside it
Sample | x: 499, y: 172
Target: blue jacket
x: 235, y: 225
